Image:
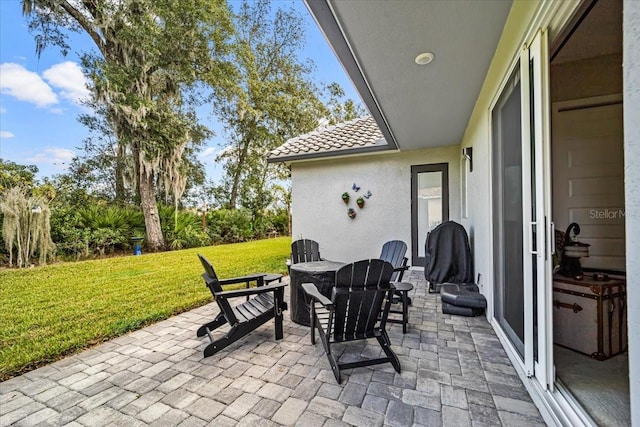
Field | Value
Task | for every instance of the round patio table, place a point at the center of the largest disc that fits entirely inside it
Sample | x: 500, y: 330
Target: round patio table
x: 320, y: 273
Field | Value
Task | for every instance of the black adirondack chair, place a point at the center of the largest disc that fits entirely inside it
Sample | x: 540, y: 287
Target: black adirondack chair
x: 265, y: 302
x: 393, y: 252
x: 357, y: 310
x: 305, y: 250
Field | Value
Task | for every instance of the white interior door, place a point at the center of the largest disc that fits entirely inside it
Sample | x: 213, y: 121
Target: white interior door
x: 588, y: 181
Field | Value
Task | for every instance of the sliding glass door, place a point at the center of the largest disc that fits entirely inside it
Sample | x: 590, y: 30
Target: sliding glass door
x: 508, y: 212
x: 522, y: 272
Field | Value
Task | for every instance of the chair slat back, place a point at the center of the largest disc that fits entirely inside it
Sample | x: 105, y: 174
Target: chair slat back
x: 394, y: 252
x: 360, y: 290
x: 305, y: 250
x: 213, y: 283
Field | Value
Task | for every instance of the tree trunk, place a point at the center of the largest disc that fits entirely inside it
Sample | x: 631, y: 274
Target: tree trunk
x: 146, y: 188
x: 155, y: 240
x: 120, y: 195
x: 233, y: 199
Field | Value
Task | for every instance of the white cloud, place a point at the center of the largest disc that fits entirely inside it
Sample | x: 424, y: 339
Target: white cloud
x: 3, y: 110
x: 69, y: 78
x: 208, y: 154
x: 25, y: 85
x: 57, y: 156
x: 5, y: 134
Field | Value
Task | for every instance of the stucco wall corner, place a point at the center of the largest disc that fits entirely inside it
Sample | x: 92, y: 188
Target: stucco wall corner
x: 631, y: 94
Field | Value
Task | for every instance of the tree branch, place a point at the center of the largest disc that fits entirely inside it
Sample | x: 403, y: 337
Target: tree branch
x: 85, y: 23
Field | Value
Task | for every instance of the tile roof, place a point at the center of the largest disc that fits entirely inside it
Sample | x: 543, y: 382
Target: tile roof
x: 361, y: 134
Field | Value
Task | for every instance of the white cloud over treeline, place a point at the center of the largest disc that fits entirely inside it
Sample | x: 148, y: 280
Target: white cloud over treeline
x: 25, y: 85
x: 66, y: 78
x: 69, y: 78
x: 53, y: 156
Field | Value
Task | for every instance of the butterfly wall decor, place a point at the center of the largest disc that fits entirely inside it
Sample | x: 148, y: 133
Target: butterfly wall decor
x: 355, y: 187
x: 366, y: 196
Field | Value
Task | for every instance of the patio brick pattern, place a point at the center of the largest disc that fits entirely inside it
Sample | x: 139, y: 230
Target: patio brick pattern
x: 454, y: 373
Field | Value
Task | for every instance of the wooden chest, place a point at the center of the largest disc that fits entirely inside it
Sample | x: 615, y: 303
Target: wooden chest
x: 590, y: 316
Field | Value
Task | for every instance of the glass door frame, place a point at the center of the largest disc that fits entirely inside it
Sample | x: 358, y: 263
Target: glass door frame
x: 443, y: 168
x: 537, y: 230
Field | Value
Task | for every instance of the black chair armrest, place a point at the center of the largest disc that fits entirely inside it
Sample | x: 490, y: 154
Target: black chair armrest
x: 311, y: 290
x: 259, y: 278
x: 243, y: 279
x: 250, y: 291
x: 402, y: 268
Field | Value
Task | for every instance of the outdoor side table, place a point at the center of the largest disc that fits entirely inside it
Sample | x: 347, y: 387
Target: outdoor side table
x: 320, y: 273
x: 403, y: 288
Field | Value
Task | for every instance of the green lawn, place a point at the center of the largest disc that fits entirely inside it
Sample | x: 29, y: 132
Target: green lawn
x: 49, y: 312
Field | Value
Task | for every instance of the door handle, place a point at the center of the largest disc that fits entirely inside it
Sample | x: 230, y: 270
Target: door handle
x: 531, y: 239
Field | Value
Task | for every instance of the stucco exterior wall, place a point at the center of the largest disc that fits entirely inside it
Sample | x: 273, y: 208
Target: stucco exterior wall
x: 319, y: 213
x: 631, y: 94
x: 479, y: 222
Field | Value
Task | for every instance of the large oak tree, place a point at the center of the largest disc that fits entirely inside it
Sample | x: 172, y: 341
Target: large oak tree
x: 151, y: 57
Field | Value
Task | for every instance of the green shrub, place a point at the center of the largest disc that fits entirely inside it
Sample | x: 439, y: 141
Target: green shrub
x: 230, y: 225
x: 98, y: 230
x: 112, y: 217
x: 280, y: 221
x: 94, y: 230
x: 183, y: 230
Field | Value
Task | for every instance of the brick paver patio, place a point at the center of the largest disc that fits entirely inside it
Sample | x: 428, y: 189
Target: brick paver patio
x: 454, y: 373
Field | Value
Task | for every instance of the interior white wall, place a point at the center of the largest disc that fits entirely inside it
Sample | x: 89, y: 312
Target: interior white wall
x: 319, y: 213
x: 631, y: 94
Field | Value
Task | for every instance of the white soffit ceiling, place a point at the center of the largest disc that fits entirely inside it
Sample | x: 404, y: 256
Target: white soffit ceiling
x: 418, y: 106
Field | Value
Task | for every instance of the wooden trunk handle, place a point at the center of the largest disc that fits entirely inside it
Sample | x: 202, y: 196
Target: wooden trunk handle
x: 575, y: 307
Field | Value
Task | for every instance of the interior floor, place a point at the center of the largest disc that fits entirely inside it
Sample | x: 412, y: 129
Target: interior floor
x: 601, y: 387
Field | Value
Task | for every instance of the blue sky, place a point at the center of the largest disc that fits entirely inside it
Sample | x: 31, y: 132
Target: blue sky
x: 39, y: 97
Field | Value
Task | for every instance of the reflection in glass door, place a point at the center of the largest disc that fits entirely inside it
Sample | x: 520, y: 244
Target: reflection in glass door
x: 430, y: 204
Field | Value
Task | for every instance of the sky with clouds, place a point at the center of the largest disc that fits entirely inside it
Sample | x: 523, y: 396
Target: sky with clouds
x: 40, y: 98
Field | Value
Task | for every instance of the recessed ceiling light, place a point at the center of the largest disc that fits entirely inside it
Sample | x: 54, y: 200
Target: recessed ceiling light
x: 424, y: 58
